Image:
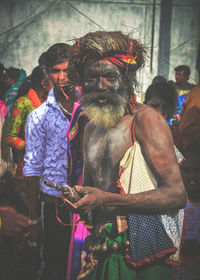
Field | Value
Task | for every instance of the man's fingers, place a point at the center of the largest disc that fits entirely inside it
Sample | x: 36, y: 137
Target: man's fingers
x: 82, y: 190
x: 23, y: 221
x: 79, y: 203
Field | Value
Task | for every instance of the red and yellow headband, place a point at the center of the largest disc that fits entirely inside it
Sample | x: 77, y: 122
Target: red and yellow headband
x: 125, y: 61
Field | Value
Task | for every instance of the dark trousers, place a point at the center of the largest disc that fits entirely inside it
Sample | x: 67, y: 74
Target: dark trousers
x: 56, y: 239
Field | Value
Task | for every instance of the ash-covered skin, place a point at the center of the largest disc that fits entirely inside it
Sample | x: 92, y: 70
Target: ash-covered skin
x: 104, y: 150
x: 106, y: 145
x: 104, y: 95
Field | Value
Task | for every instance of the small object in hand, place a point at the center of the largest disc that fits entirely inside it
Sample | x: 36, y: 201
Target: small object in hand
x: 69, y: 193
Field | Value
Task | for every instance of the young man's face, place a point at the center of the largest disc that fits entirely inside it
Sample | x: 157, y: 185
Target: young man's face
x: 58, y: 74
x: 181, y: 78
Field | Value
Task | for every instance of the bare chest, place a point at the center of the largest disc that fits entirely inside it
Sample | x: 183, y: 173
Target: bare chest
x: 105, y: 150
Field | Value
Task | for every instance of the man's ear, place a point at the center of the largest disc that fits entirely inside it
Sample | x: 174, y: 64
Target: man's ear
x: 46, y: 70
x: 43, y: 83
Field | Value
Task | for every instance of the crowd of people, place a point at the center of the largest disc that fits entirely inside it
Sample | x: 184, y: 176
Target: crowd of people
x: 129, y: 172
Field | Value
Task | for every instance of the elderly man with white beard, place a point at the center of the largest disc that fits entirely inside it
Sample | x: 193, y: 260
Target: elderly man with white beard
x: 132, y: 186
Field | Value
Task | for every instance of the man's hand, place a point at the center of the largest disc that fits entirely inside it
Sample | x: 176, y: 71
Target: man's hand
x: 92, y: 198
x: 12, y: 222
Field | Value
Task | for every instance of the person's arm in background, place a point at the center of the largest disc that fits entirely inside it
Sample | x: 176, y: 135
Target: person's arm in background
x: 12, y: 222
x: 33, y: 167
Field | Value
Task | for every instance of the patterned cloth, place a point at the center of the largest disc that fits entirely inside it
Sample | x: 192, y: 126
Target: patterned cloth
x: 148, y: 239
x: 110, y: 263
x: 20, y: 110
x: 161, y: 234
x: 47, y: 144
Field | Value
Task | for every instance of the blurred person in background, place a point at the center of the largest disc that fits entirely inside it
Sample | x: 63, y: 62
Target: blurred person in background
x: 6, y: 157
x: 162, y: 96
x: 12, y: 81
x: 31, y: 95
x: 189, y: 126
x: 182, y: 86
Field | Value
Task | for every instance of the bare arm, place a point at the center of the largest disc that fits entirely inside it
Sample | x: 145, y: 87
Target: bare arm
x: 154, y: 136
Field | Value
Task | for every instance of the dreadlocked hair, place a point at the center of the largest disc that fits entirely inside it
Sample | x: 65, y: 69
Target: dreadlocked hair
x: 104, y: 44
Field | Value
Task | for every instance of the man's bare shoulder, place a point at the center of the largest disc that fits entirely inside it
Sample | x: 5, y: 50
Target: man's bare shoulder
x: 146, y: 114
x: 150, y: 124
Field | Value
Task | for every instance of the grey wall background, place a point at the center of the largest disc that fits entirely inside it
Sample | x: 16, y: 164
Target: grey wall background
x: 170, y: 28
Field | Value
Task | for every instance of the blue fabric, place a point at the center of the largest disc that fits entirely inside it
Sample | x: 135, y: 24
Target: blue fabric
x: 47, y: 144
x: 147, y: 237
x: 180, y: 101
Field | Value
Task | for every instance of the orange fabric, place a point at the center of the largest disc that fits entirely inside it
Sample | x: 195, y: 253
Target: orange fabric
x: 189, y: 127
x: 34, y: 98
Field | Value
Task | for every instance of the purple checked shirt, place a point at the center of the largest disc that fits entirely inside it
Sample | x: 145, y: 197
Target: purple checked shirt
x: 46, y: 144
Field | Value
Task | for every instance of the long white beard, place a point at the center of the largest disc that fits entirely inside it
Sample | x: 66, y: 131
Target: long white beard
x: 106, y: 116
